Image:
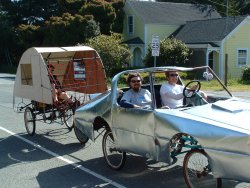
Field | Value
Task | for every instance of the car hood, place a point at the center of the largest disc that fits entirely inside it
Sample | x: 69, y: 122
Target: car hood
x: 233, y: 112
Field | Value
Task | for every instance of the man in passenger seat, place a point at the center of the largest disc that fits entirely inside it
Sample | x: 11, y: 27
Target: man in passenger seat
x: 136, y: 97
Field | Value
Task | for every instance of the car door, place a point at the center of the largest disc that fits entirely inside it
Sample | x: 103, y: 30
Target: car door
x: 133, y: 129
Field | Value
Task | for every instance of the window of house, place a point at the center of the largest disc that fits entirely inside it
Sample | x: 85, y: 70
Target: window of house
x: 242, y: 55
x: 26, y: 74
x: 130, y: 24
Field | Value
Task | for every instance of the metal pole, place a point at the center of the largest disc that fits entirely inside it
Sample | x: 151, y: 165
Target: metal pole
x: 154, y: 61
x: 226, y: 68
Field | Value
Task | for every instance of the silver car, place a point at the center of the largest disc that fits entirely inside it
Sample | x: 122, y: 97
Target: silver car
x: 214, y: 134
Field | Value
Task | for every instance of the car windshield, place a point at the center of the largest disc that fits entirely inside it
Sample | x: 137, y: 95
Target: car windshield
x: 206, y: 80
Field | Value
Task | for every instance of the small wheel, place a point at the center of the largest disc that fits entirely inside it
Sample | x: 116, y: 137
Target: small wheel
x: 68, y: 118
x: 29, y: 121
x: 176, y: 144
x: 80, y: 136
x: 114, y: 158
x: 197, y: 171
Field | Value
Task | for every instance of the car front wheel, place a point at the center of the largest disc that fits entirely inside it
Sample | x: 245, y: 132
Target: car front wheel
x: 197, y: 171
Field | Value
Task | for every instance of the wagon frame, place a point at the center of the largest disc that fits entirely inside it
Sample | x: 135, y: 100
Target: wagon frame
x: 79, y: 73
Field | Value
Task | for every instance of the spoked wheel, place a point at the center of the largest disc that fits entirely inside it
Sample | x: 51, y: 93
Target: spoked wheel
x: 80, y: 136
x: 29, y: 121
x: 68, y: 118
x: 197, y: 171
x: 176, y: 144
x: 114, y: 158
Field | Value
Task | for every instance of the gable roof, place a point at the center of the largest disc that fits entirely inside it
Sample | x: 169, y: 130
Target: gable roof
x: 169, y: 13
x: 136, y: 40
x: 211, y: 30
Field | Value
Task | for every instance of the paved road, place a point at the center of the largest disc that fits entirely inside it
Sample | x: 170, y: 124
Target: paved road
x: 54, y: 158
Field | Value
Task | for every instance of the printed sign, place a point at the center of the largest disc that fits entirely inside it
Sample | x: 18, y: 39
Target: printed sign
x: 79, y: 71
x: 155, y: 45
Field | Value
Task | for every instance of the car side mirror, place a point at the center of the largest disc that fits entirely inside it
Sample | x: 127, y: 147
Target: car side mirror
x: 208, y: 76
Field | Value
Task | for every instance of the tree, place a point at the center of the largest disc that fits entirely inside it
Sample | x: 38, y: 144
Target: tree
x: 30, y: 11
x: 27, y: 23
x: 70, y: 29
x: 7, y: 38
x: 103, y: 13
x: 118, y: 23
x: 29, y: 36
x: 172, y: 52
x: 113, y: 53
x: 71, y: 6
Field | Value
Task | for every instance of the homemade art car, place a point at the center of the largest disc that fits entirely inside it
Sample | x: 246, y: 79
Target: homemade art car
x: 214, y: 133
x: 77, y: 72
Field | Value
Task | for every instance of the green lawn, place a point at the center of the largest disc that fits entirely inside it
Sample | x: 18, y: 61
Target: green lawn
x: 233, y: 85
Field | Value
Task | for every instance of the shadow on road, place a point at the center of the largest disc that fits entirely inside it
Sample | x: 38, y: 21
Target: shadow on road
x: 137, y: 171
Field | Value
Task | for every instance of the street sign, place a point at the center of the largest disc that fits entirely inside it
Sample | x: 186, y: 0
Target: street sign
x: 155, y: 46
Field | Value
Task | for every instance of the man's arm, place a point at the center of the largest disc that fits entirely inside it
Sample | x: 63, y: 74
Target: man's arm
x: 125, y: 101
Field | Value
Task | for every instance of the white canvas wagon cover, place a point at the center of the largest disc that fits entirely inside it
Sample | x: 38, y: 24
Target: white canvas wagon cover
x: 78, y: 68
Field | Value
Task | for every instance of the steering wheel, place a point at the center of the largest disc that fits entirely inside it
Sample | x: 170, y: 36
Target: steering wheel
x: 187, y: 92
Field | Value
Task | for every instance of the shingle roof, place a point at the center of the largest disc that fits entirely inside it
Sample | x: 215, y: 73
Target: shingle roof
x: 136, y: 40
x: 208, y: 30
x: 169, y: 13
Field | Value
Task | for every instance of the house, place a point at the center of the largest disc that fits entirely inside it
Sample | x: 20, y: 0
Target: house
x: 143, y: 19
x: 214, y: 39
x: 204, y: 31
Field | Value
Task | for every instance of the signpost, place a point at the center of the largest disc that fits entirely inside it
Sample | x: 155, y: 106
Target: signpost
x: 155, y: 46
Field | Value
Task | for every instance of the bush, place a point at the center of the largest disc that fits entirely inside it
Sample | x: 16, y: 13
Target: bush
x: 115, y: 55
x: 173, y: 52
x: 8, y: 69
x: 246, y: 76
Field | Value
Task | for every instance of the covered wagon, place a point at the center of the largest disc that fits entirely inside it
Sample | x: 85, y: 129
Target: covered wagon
x: 79, y: 73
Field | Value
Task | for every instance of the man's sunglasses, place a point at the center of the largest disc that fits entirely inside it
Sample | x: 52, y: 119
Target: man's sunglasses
x: 135, y: 81
x: 173, y: 75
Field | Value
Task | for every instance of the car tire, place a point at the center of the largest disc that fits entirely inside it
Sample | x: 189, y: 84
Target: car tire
x: 197, y: 172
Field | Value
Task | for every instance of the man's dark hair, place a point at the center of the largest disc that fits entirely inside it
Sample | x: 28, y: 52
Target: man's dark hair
x: 132, y: 75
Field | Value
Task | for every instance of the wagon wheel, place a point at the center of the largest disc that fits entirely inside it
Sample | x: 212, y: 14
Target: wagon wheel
x: 114, y: 158
x: 68, y: 118
x: 29, y: 121
x: 83, y: 138
x: 197, y: 171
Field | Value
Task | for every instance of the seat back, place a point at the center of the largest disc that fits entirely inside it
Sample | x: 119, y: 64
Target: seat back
x: 157, y: 94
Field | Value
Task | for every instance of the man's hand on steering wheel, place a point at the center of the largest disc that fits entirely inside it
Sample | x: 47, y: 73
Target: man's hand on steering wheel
x: 189, y: 92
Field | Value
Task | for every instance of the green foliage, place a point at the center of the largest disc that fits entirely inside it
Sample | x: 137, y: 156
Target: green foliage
x: 115, y: 55
x: 246, y: 75
x: 71, y: 6
x: 8, y: 69
x: 27, y: 23
x: 172, y: 52
x: 29, y: 11
x: 118, y: 23
x: 103, y: 12
x: 70, y: 29
x: 29, y: 35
